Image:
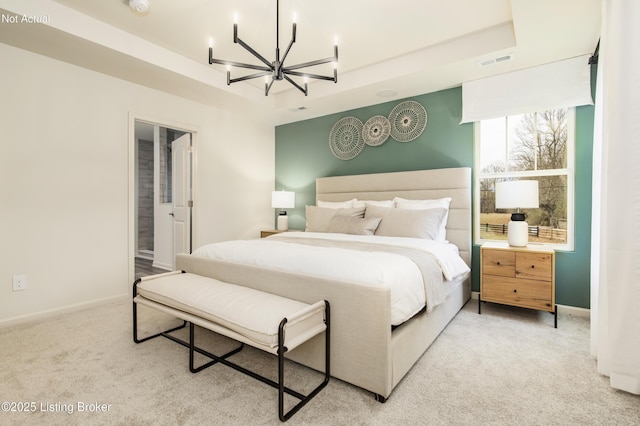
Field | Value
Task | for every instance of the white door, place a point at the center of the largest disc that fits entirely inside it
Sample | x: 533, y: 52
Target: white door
x: 181, y: 197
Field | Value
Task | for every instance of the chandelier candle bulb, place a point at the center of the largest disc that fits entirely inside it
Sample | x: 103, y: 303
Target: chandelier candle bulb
x: 235, y: 27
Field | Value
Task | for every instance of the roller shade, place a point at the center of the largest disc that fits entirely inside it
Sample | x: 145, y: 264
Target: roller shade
x: 561, y: 84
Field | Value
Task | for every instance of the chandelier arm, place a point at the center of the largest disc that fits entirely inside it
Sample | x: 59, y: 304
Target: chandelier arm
x: 311, y: 64
x: 287, y: 51
x: 286, y: 71
x: 253, y: 52
x: 240, y: 65
x: 296, y: 85
x: 250, y: 77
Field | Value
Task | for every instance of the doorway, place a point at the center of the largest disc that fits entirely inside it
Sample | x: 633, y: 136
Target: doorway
x: 161, y: 191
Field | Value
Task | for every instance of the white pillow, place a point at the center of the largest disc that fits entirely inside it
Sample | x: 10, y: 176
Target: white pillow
x: 337, y: 204
x: 364, y: 203
x: 318, y: 218
x: 403, y: 203
x: 413, y: 223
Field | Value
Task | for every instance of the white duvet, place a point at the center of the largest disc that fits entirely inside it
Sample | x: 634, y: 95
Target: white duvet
x: 409, y: 293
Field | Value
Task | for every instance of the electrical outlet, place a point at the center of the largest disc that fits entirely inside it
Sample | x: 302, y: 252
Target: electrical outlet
x: 19, y: 282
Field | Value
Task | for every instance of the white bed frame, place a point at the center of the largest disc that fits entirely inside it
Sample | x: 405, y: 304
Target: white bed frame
x: 364, y: 350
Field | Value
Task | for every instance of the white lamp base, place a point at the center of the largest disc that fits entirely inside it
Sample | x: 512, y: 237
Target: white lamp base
x: 518, y: 233
x: 283, y: 223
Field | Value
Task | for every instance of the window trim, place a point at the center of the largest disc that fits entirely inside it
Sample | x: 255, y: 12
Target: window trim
x: 569, y: 172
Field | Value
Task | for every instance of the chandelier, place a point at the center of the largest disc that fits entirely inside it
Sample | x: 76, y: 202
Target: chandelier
x: 276, y: 70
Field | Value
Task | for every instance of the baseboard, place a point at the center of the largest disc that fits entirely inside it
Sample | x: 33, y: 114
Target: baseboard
x: 145, y: 254
x: 161, y: 265
x: 575, y: 311
x: 23, y: 319
x: 562, y: 309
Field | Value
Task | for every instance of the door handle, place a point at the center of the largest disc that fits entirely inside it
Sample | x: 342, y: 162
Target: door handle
x: 171, y: 214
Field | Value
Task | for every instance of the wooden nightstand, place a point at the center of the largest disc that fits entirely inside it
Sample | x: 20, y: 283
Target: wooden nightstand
x: 268, y: 232
x: 518, y: 276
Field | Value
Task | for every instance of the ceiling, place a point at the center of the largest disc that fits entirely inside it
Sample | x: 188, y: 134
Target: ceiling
x: 386, y: 50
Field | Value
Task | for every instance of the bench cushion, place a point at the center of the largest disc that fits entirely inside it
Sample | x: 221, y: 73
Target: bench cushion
x: 249, y: 312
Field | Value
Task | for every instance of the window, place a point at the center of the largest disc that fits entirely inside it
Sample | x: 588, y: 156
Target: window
x: 536, y: 146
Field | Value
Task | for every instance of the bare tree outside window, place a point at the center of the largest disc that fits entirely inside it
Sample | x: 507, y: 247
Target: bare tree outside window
x: 530, y: 146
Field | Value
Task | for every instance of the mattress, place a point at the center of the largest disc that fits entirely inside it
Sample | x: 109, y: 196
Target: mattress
x: 418, y: 272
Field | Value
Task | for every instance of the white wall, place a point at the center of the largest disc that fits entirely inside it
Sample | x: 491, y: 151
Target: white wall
x: 64, y: 169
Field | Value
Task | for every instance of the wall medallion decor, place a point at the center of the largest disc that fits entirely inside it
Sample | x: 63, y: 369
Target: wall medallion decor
x: 408, y: 120
x: 376, y: 130
x: 345, y: 139
x: 405, y: 123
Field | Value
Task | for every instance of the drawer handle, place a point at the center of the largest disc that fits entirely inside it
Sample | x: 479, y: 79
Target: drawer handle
x: 515, y: 291
x: 533, y: 266
x: 498, y: 263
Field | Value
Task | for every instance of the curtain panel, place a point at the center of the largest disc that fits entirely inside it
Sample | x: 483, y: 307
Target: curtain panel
x: 615, y: 263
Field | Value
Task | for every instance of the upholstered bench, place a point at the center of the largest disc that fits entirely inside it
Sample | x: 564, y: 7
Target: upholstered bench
x: 269, y: 322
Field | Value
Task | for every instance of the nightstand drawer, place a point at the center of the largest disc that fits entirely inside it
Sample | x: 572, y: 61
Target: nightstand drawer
x: 535, y: 266
x: 517, y: 291
x: 499, y: 262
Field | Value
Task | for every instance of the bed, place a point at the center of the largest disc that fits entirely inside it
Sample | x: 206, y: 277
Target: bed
x: 371, y: 346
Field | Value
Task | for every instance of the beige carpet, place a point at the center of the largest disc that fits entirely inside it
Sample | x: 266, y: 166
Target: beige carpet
x: 506, y: 366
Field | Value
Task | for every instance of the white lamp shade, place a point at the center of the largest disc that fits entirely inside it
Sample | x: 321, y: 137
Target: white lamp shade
x: 283, y: 199
x: 517, y: 194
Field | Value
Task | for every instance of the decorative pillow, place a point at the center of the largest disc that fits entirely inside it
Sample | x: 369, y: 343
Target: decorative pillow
x: 423, y: 223
x: 337, y: 204
x: 353, y: 225
x: 364, y: 203
x: 402, y: 203
x: 318, y: 218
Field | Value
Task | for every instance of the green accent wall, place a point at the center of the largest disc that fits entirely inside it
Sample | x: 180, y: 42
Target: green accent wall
x: 302, y: 154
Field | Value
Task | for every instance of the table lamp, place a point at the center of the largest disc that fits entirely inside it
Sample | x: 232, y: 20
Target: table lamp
x: 517, y: 194
x: 283, y: 200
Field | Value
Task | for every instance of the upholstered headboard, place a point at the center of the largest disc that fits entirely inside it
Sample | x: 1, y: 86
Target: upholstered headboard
x: 419, y: 185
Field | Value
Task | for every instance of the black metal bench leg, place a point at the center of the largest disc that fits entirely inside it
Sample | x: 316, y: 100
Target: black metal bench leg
x: 214, y: 358
x: 135, y: 320
x: 281, y: 351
